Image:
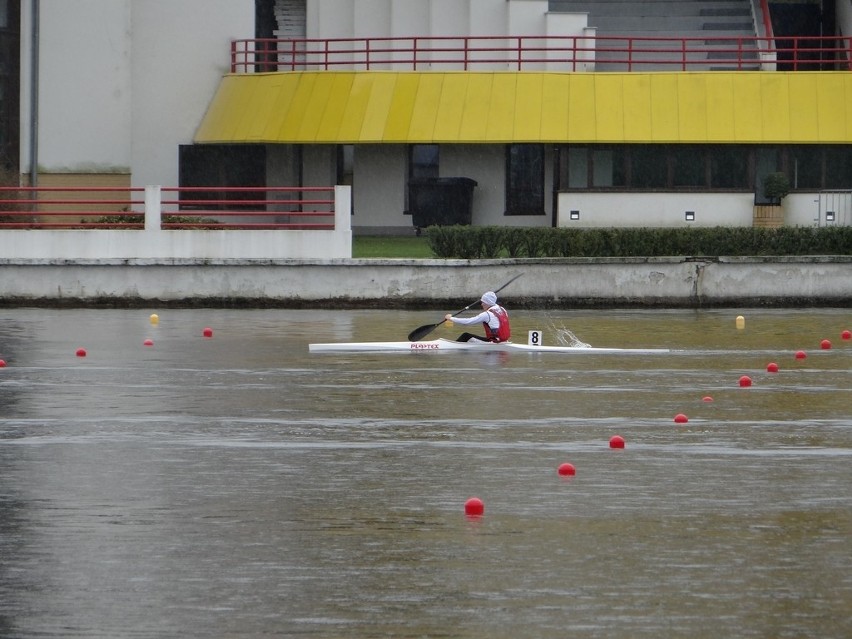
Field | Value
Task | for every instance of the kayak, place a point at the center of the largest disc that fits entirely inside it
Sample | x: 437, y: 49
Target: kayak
x: 443, y: 345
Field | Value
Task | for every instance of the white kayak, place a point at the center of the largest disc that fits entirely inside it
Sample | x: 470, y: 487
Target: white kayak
x: 441, y: 345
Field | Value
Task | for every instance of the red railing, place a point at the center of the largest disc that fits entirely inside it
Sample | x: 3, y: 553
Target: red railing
x: 556, y: 53
x: 249, y: 208
x: 293, y: 208
x: 56, y: 207
x: 767, y: 19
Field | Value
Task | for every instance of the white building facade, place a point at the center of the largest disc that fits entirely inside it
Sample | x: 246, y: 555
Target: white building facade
x: 118, y: 92
x: 119, y: 84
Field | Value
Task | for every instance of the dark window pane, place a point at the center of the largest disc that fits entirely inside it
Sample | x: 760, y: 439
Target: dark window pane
x: 578, y: 167
x: 423, y: 164
x: 688, y: 167
x: 10, y: 90
x: 218, y: 165
x: 838, y: 167
x: 729, y: 167
x: 648, y: 167
x: 525, y: 179
x: 608, y: 167
x: 807, y: 167
x: 423, y: 161
x: 345, y: 164
x: 619, y: 167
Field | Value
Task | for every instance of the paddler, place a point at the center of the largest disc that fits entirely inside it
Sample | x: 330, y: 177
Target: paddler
x: 493, y: 318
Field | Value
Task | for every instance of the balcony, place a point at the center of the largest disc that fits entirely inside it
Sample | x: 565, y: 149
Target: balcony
x: 543, y: 53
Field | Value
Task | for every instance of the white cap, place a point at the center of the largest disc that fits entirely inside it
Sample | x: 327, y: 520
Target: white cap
x: 489, y: 298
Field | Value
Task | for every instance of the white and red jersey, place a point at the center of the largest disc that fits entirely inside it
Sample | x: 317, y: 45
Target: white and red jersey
x: 495, y: 320
x: 503, y: 331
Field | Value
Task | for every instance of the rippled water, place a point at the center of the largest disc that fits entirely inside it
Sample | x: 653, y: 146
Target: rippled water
x: 239, y: 486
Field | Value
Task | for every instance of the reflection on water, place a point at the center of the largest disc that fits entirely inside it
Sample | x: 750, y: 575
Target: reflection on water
x: 239, y: 486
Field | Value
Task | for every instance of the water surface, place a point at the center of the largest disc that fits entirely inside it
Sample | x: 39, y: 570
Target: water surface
x: 240, y: 486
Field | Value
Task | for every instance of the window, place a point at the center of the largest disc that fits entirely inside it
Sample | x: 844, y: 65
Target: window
x: 729, y: 167
x: 217, y: 165
x: 648, y: 167
x: 838, y: 167
x: 345, y: 164
x: 608, y: 167
x: 688, y: 168
x: 704, y: 167
x: 577, y: 167
x: 423, y: 164
x: 423, y: 161
x: 806, y: 167
x: 10, y: 90
x: 525, y: 179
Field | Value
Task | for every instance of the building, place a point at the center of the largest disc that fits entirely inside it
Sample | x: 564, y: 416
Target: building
x: 562, y: 112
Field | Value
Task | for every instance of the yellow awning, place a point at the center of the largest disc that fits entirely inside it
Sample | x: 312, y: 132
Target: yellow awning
x: 329, y: 107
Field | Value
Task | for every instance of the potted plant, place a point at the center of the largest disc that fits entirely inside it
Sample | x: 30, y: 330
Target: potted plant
x: 769, y: 213
x: 776, y: 186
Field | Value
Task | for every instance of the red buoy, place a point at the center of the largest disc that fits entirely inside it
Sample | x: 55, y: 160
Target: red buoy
x: 474, y: 507
x: 81, y: 352
x: 2, y: 363
x: 772, y: 367
x: 801, y: 355
x: 207, y: 332
x: 680, y: 418
x: 148, y: 342
x: 745, y: 381
x: 567, y: 469
x: 846, y: 335
x: 616, y: 441
x: 707, y: 398
x: 825, y: 344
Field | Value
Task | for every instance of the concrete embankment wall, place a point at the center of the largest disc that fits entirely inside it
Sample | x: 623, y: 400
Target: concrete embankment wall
x: 386, y: 283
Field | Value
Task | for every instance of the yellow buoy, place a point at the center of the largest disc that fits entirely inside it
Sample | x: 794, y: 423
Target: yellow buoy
x: 155, y: 319
x: 740, y: 322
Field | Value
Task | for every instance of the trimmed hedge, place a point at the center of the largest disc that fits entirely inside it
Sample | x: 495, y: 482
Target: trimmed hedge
x: 487, y: 242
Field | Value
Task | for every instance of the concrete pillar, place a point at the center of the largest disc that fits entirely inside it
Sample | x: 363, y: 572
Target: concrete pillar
x: 342, y: 208
x: 153, y: 208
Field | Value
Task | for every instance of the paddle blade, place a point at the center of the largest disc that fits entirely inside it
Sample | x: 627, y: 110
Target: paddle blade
x: 419, y: 333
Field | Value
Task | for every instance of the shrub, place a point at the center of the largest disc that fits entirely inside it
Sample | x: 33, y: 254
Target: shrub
x: 776, y: 186
x: 492, y: 238
x: 471, y: 242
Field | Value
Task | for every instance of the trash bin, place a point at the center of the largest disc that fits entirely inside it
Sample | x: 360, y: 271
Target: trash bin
x: 440, y: 201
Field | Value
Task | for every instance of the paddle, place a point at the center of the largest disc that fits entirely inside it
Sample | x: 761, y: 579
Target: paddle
x: 419, y: 333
